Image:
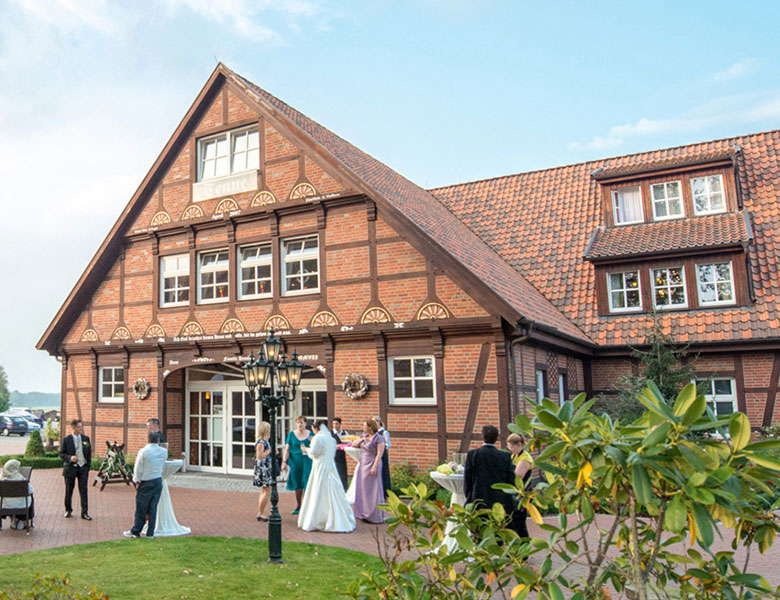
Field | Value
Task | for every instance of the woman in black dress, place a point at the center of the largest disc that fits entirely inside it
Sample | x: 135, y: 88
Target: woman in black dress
x: 263, y: 470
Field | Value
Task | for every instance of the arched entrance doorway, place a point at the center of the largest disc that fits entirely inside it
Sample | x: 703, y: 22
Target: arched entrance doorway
x: 221, y: 418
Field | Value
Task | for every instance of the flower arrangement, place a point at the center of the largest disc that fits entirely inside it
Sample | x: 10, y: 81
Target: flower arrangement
x: 450, y: 468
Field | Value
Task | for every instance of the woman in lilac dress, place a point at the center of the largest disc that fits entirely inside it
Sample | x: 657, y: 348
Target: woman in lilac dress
x: 368, y: 488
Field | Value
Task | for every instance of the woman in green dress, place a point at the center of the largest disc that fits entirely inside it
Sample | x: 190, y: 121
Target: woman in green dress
x: 298, y: 462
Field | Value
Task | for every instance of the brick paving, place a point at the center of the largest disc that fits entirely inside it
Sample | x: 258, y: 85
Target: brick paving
x: 208, y: 512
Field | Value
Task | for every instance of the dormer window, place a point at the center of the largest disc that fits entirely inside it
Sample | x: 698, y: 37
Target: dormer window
x: 628, y: 205
x: 669, y: 288
x: 708, y: 196
x: 667, y: 200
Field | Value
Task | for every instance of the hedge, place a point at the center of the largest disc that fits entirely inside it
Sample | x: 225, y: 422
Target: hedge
x: 52, y: 460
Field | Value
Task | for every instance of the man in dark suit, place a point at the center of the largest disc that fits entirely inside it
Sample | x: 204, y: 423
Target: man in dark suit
x: 76, y: 455
x: 486, y: 466
x: 153, y: 426
x: 340, y: 459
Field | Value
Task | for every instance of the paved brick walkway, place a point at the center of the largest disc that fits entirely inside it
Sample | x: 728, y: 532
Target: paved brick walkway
x: 211, y: 513
x: 206, y: 512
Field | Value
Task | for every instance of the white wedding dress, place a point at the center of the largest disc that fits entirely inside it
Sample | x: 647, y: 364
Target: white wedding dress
x: 325, y: 506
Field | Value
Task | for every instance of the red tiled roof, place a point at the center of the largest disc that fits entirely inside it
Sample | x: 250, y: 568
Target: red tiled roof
x: 541, y: 223
x: 432, y: 217
x: 663, y: 163
x: 712, y: 231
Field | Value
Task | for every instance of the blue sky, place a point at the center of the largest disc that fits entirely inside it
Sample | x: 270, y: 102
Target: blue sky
x: 442, y: 91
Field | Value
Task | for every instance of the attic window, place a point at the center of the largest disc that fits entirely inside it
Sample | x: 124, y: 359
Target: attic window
x: 228, y: 153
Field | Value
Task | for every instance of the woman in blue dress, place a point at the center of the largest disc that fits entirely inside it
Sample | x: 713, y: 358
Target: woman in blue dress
x: 263, y: 472
x: 298, y: 462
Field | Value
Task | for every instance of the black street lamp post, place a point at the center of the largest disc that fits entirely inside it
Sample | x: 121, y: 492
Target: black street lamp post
x: 281, y: 377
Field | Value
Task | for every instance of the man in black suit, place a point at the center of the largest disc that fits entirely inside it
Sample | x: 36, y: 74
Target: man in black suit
x: 76, y: 455
x: 340, y: 459
x: 153, y: 426
x: 486, y: 466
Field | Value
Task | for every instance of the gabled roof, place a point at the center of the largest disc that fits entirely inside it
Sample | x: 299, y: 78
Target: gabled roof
x: 479, y: 265
x: 541, y: 223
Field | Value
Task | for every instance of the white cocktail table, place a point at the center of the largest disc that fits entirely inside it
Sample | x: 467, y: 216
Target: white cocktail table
x: 453, y: 483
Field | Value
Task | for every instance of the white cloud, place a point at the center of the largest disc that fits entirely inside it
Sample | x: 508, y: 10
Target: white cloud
x: 72, y: 14
x: 739, y: 109
x: 738, y: 69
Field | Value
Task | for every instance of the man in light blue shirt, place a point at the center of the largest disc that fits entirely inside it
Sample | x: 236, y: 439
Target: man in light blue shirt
x: 147, y: 473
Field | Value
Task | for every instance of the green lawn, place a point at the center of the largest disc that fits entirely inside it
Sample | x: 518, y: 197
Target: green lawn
x: 192, y: 567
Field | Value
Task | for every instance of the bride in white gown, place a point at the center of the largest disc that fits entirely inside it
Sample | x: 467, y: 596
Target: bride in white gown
x: 325, y: 505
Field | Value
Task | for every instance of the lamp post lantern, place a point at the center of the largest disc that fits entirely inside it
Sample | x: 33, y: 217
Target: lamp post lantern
x: 281, y: 377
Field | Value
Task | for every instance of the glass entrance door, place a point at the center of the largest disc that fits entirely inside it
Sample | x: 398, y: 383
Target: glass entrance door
x: 243, y: 427
x: 206, y: 428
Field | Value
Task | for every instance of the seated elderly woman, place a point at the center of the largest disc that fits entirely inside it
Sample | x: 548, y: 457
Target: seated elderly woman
x: 11, y: 472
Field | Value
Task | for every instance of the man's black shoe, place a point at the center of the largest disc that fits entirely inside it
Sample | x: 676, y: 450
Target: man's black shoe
x: 68, y: 513
x: 86, y: 517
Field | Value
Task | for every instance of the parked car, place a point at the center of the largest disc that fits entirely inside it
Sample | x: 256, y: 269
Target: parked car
x: 32, y: 425
x: 25, y: 414
x: 13, y: 425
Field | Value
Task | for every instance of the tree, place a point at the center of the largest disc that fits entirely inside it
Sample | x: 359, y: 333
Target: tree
x: 34, y: 445
x: 661, y: 361
x: 626, y: 495
x: 5, y: 395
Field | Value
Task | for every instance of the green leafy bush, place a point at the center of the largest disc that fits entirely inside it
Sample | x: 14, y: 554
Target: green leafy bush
x: 404, y: 474
x: 655, y: 486
x: 34, y: 447
x: 50, y: 460
x: 54, y: 587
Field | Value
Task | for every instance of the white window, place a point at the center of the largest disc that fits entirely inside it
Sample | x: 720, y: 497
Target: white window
x: 708, y: 195
x: 628, y: 205
x: 112, y: 384
x: 669, y: 287
x: 667, y: 200
x: 175, y: 280
x: 213, y: 276
x: 412, y: 380
x: 624, y: 291
x: 228, y: 153
x: 301, y: 265
x: 716, y: 284
x: 721, y: 395
x: 254, y: 272
x: 541, y: 376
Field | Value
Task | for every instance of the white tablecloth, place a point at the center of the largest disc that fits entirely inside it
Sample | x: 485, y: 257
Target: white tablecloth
x: 167, y: 525
x: 453, y: 483
x: 354, y: 454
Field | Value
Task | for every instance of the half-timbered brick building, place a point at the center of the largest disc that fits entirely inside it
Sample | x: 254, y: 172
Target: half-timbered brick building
x: 455, y: 303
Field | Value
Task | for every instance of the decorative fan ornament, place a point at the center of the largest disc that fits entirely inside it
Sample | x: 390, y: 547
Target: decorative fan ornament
x: 192, y: 328
x: 263, y: 198
x: 155, y: 331
x: 375, y: 315
x: 302, y: 190
x: 90, y: 335
x: 324, y: 319
x: 142, y: 389
x: 121, y: 333
x: 232, y: 326
x: 192, y: 212
x: 432, y: 310
x: 226, y: 205
x: 277, y: 322
x: 354, y: 386
x: 161, y: 218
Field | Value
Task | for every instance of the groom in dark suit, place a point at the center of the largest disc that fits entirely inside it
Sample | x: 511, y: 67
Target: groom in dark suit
x: 486, y: 466
x: 76, y: 455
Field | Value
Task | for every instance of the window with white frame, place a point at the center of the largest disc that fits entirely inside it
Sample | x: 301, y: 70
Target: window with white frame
x: 720, y: 394
x: 254, y: 271
x: 228, y: 153
x: 628, y: 205
x: 667, y: 200
x: 563, y: 388
x: 112, y: 384
x: 541, y: 387
x: 624, y: 291
x: 301, y: 265
x: 669, y: 287
x: 175, y: 280
x: 708, y: 194
x: 715, y: 283
x: 412, y: 380
x: 213, y: 276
